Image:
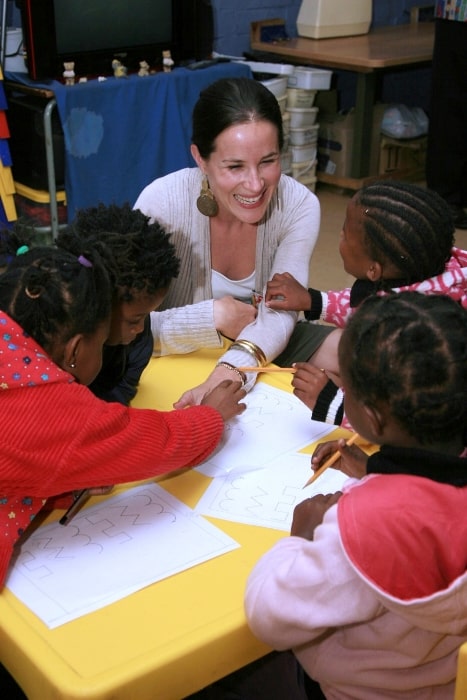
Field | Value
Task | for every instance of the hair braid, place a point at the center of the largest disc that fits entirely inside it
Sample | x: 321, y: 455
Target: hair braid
x: 409, y: 351
x: 407, y: 225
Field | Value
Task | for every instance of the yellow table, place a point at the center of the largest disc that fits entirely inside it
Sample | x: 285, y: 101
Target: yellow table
x: 169, y: 639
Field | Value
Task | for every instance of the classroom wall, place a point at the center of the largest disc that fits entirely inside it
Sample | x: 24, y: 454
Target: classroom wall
x: 232, y: 19
x: 232, y: 37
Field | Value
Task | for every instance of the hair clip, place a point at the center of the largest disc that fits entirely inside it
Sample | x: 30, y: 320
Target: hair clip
x: 31, y: 295
x: 22, y: 250
x: 84, y: 261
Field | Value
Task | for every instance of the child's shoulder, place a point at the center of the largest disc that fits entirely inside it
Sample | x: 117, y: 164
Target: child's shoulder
x: 402, y: 523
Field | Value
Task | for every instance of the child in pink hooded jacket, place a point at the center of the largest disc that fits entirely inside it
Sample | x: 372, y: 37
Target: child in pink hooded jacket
x: 370, y: 590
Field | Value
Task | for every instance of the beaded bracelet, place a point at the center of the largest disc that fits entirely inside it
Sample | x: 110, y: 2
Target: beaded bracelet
x: 227, y: 365
x: 252, y: 349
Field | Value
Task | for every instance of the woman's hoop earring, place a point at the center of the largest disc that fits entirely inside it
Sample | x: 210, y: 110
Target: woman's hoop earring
x: 206, y: 202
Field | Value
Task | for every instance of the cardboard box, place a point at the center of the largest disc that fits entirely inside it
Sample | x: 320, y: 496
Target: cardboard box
x: 405, y: 155
x: 335, y: 142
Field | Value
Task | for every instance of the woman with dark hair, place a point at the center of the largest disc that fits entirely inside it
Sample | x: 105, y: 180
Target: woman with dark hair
x: 235, y: 221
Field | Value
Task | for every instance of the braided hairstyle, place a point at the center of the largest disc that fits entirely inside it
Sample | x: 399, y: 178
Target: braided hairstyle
x: 407, y: 225
x: 409, y: 351
x: 138, y: 254
x: 53, y: 296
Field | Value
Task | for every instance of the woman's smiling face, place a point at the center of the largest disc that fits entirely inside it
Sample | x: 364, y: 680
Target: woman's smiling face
x: 244, y: 169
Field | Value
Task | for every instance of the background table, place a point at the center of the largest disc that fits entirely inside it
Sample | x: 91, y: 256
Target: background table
x: 167, y: 640
x: 368, y: 55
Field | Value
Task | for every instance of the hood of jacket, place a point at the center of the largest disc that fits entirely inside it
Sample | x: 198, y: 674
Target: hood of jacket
x: 406, y: 536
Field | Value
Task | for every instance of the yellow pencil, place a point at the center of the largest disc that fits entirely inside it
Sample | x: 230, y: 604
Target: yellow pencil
x: 267, y: 369
x: 332, y: 460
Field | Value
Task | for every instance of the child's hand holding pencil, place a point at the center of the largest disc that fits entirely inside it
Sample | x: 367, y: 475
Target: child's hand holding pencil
x: 337, y: 453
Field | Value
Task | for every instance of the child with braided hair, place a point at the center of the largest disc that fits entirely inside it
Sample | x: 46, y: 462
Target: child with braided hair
x: 57, y: 437
x: 142, y: 263
x: 397, y: 236
x: 370, y: 590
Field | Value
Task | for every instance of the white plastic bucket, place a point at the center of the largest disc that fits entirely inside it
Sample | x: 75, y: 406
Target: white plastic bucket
x: 14, y: 51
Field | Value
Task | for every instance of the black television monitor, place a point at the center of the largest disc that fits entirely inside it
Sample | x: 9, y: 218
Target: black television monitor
x: 94, y: 32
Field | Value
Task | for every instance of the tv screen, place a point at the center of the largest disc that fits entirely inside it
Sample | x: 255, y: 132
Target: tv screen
x: 90, y: 25
x: 91, y: 33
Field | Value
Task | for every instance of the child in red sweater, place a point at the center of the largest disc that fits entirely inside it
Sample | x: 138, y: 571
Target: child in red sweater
x: 56, y: 435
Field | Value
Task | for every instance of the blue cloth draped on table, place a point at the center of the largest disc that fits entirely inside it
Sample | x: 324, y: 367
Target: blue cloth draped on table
x: 122, y: 133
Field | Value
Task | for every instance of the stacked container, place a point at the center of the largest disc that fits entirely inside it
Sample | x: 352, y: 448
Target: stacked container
x: 295, y: 88
x: 302, y: 86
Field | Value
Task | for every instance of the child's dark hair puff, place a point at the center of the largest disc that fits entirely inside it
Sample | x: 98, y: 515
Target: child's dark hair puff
x: 138, y: 254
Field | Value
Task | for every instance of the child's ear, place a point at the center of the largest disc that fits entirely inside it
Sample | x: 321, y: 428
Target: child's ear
x: 375, y: 271
x: 375, y: 419
x: 71, y: 353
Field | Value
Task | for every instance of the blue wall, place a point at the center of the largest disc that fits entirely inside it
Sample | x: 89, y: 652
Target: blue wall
x: 232, y: 20
x: 232, y: 37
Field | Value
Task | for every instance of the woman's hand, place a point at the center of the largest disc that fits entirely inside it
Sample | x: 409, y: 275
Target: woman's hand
x: 284, y: 293
x: 352, y: 460
x: 231, y: 316
x: 309, y: 514
x: 194, y: 396
x: 308, y: 382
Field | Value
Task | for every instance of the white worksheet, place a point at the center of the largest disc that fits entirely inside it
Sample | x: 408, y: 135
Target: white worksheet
x: 267, y: 496
x: 274, y: 422
x: 110, y: 550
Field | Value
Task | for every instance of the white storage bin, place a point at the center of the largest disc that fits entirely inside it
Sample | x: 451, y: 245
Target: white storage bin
x: 282, y: 103
x: 305, y: 169
x: 300, y: 154
x: 273, y: 68
x: 309, y: 181
x: 307, y: 134
x: 319, y: 19
x: 298, y: 97
x: 278, y: 86
x: 302, y: 116
x: 310, y: 78
x: 286, y: 161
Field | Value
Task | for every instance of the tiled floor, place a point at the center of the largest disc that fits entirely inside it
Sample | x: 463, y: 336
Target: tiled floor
x: 326, y: 271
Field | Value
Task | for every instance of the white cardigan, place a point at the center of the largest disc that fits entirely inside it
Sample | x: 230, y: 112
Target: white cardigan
x: 285, y: 243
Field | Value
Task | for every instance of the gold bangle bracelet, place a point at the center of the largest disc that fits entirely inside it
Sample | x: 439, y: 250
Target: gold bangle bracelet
x: 252, y: 349
x: 232, y: 368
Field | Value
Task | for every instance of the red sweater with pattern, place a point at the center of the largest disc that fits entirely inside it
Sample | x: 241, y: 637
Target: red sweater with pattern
x: 58, y: 437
